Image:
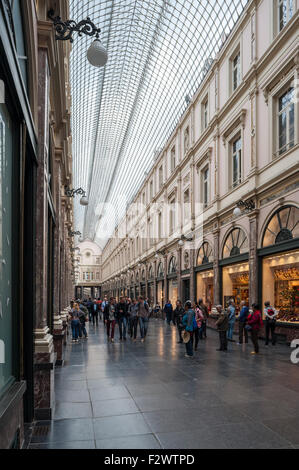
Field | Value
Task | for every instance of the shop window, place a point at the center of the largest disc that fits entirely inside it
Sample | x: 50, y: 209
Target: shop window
x: 281, y: 285
x: 286, y: 121
x: 205, y: 287
x: 205, y: 254
x: 235, y: 284
x: 283, y: 226
x: 172, y: 266
x: 6, y: 240
x: 235, y: 244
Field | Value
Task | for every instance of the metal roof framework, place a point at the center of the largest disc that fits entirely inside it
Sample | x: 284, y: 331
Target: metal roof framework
x: 159, y: 52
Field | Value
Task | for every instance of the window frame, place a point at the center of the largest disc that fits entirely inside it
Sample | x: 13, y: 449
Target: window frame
x: 238, y: 136
x: 287, y: 146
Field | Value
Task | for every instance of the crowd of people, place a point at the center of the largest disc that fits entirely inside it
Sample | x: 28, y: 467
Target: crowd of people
x: 190, y: 320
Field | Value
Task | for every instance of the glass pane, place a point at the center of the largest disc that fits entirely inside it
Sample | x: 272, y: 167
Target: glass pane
x: 6, y: 332
x: 282, y: 132
x: 291, y: 125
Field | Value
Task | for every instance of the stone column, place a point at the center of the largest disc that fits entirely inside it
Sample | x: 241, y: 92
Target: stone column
x: 165, y: 280
x: 155, y: 282
x: 192, y: 278
x: 58, y: 331
x: 253, y: 258
x: 179, y: 272
x: 44, y: 357
x: 217, y: 290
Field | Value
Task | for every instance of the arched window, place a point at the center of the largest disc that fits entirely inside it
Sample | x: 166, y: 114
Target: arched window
x: 132, y: 279
x: 137, y: 278
x: 143, y: 275
x: 235, y: 244
x: 283, y: 226
x: 205, y: 254
x: 160, y: 272
x: 172, y: 266
x: 150, y: 273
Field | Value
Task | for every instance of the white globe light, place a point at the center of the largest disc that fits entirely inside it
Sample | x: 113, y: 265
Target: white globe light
x: 237, y: 211
x: 156, y: 256
x: 84, y: 201
x: 181, y: 243
x: 97, y: 54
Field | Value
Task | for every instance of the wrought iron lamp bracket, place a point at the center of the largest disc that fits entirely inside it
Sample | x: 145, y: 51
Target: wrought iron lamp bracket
x: 247, y: 205
x: 72, y: 192
x: 65, y: 29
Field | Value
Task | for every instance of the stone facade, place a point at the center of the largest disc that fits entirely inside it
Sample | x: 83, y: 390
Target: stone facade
x: 211, y: 175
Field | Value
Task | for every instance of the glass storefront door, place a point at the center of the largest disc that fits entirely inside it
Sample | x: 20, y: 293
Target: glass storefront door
x: 6, y: 314
x: 280, y: 284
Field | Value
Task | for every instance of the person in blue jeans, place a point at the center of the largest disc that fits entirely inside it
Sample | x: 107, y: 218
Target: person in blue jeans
x: 143, y: 315
x: 75, y: 322
x: 231, y: 319
x: 122, y: 314
x: 188, y: 324
x: 242, y: 322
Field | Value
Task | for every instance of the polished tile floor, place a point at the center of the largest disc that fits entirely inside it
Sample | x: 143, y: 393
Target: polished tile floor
x: 149, y: 396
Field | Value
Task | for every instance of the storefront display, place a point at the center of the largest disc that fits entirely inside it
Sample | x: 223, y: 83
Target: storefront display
x: 281, y: 285
x: 160, y: 293
x: 173, y: 291
x: 205, y: 287
x: 150, y: 292
x: 235, y: 284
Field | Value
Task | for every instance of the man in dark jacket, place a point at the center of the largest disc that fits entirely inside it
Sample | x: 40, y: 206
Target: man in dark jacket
x: 122, y: 313
x: 205, y: 312
x: 168, y: 310
x: 222, y: 327
x: 90, y: 308
x: 178, y: 314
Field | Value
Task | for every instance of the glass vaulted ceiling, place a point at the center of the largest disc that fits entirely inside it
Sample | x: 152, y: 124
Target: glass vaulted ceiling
x: 123, y: 114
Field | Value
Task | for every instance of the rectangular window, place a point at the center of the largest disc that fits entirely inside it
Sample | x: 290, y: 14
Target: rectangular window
x: 285, y: 12
x: 172, y: 160
x: 236, y: 71
x: 205, y: 107
x: 160, y: 225
x: 160, y: 177
x: 236, y: 161
x: 205, y: 187
x: 171, y: 216
x: 286, y: 127
x: 151, y: 190
x: 186, y: 205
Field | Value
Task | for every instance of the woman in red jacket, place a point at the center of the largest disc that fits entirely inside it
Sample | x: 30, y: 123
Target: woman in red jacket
x: 254, y: 320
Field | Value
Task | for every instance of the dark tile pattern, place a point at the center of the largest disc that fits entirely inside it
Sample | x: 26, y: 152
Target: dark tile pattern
x: 149, y: 396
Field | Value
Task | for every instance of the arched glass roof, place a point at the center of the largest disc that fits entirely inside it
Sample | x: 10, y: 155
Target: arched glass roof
x: 159, y: 52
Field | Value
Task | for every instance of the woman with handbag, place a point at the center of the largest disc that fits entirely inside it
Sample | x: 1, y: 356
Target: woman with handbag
x: 254, y: 323
x: 199, y: 318
x: 188, y: 320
